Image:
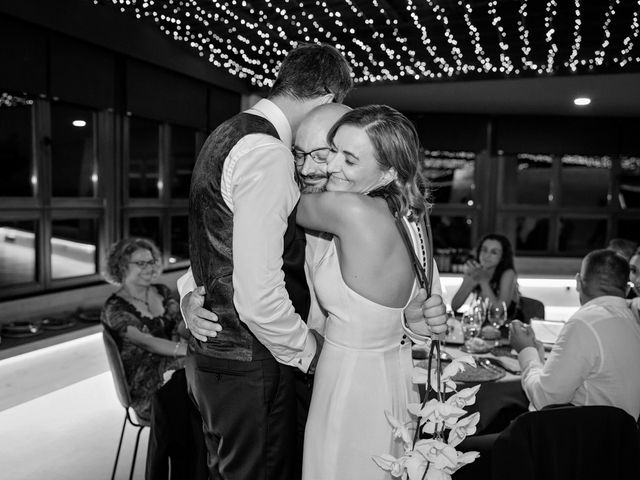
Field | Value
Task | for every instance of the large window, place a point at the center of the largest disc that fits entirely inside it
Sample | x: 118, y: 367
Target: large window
x: 18, y: 252
x: 565, y: 205
x: 451, y: 180
x: 74, y: 247
x: 17, y: 177
x: 144, y: 158
x: 184, y: 149
x: 73, y: 151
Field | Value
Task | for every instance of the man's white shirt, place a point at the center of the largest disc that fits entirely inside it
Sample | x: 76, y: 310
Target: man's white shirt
x: 259, y: 187
x: 594, y: 361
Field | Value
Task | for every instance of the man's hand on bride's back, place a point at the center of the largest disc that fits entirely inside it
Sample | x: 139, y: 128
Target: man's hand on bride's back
x: 201, y: 322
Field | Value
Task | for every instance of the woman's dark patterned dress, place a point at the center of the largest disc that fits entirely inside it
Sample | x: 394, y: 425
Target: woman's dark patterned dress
x: 144, y: 370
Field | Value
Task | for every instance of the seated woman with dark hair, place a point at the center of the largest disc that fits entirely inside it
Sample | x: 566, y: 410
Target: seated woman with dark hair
x: 491, y: 275
x: 145, y: 320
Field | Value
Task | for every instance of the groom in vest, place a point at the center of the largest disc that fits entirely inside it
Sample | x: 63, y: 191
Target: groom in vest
x: 248, y: 253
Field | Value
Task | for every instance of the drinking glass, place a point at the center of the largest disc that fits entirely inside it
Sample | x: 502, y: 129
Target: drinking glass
x: 471, y: 325
x: 497, y: 315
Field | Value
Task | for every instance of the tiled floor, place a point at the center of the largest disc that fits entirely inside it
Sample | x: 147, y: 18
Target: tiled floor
x: 58, y: 431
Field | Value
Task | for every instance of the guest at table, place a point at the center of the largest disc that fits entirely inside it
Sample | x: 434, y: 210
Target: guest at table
x: 145, y: 320
x: 491, y: 275
x: 596, y: 356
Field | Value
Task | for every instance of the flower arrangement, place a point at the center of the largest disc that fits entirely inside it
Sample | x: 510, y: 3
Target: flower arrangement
x: 434, y: 458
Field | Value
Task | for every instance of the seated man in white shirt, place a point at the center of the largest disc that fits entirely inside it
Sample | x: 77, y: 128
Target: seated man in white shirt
x: 596, y: 356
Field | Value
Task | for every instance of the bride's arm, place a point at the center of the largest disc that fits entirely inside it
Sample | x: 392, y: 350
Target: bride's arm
x: 331, y: 212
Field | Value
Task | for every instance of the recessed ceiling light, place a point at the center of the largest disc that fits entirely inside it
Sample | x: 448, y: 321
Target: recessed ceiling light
x: 582, y: 101
x: 79, y: 123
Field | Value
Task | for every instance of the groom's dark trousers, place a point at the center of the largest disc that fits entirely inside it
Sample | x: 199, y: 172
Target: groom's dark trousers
x: 248, y: 416
x: 247, y: 400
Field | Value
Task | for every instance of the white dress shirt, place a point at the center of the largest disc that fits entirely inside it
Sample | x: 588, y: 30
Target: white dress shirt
x: 258, y: 185
x: 594, y: 361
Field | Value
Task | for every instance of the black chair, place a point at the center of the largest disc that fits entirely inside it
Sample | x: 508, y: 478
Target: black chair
x: 124, y: 396
x: 568, y: 442
x: 531, y: 308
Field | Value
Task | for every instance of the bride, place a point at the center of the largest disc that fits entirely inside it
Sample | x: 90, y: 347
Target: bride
x: 364, y: 280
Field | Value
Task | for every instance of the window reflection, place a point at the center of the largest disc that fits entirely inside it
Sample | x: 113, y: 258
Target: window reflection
x: 527, y: 179
x: 146, y: 227
x: 451, y: 231
x: 72, y: 151
x: 628, y: 228
x: 451, y: 176
x: 585, y: 180
x: 531, y: 234
x: 581, y: 235
x: 629, y: 182
x: 15, y: 145
x: 179, y: 239
x: 73, y: 247
x: 18, y: 244
x: 451, y: 241
x: 144, y: 163
x: 183, y: 158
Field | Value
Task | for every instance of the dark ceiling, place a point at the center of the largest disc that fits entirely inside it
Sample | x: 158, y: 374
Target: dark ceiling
x: 407, y: 40
x: 506, y: 56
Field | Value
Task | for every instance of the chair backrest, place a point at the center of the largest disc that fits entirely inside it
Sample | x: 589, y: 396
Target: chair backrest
x: 117, y: 369
x: 567, y: 443
x: 531, y: 308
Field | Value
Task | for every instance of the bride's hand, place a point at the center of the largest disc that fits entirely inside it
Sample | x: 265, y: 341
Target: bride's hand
x: 430, y: 313
x: 435, y: 315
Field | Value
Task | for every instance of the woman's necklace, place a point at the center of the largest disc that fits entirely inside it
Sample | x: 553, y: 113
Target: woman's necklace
x: 145, y: 302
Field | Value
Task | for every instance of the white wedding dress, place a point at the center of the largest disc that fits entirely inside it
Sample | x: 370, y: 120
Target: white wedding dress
x: 364, y: 369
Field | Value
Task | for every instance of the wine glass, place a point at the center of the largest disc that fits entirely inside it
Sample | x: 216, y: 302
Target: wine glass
x: 497, y: 315
x: 471, y: 325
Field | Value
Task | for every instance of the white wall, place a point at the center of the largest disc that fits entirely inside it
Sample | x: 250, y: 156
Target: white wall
x: 558, y: 294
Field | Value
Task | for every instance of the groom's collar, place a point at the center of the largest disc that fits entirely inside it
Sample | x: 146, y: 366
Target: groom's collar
x: 269, y: 110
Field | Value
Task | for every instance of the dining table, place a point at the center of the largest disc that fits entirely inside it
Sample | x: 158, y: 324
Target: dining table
x: 500, y: 398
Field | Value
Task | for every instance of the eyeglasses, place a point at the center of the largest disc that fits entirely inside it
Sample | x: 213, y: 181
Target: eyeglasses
x: 143, y: 264
x: 318, y: 155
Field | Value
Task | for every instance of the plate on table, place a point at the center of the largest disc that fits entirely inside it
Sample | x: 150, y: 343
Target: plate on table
x: 479, y: 374
x: 89, y: 315
x: 504, y: 351
x: 21, y: 329
x: 476, y: 345
x: 58, y: 323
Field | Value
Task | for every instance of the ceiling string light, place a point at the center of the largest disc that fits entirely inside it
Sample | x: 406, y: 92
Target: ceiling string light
x: 422, y: 40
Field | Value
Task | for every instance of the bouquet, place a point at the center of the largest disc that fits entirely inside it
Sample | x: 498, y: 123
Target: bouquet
x: 441, y: 419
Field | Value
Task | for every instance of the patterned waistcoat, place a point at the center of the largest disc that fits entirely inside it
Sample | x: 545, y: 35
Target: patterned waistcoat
x: 210, y: 245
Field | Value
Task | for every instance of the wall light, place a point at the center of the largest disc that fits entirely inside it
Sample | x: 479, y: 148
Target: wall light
x: 79, y: 123
x: 582, y: 101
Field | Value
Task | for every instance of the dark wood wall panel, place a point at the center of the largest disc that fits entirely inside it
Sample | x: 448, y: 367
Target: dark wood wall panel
x: 81, y: 73
x: 162, y: 95
x: 23, y: 50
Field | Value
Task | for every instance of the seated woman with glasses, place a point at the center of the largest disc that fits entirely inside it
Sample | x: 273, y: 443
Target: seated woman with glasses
x: 144, y: 319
